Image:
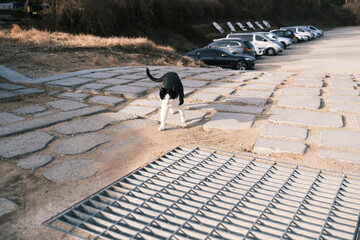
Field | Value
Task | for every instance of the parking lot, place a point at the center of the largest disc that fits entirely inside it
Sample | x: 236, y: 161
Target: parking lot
x: 299, y: 107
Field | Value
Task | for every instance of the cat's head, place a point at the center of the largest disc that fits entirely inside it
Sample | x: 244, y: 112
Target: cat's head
x: 171, y: 92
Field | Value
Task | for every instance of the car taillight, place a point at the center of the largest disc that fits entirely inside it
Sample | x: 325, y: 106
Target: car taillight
x: 247, y: 49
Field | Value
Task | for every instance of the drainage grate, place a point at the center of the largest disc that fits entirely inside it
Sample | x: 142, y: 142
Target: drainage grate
x: 204, y: 194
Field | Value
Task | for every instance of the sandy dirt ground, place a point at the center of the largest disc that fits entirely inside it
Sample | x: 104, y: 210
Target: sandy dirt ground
x: 38, y: 199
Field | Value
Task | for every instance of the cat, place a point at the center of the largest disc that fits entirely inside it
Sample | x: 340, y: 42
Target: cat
x: 171, y: 95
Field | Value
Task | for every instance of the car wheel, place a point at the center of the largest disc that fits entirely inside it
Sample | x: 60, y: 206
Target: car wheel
x: 270, y: 52
x: 240, y: 65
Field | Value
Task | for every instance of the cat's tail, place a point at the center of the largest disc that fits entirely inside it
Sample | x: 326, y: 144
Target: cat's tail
x: 151, y: 77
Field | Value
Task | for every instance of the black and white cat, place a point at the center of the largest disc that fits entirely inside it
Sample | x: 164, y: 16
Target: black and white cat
x: 171, y: 94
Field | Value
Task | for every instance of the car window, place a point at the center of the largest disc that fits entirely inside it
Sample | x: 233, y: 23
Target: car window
x: 259, y: 38
x: 224, y: 44
x: 215, y: 44
x: 243, y: 37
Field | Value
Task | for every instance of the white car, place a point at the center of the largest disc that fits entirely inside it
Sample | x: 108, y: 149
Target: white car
x: 301, y: 32
x: 319, y: 32
x: 259, y: 41
x: 283, y: 40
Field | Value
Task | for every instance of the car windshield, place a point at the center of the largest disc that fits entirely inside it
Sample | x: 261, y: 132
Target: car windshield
x: 267, y: 37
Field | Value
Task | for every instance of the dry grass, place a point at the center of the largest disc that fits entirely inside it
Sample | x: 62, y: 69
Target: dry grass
x: 36, y: 53
x: 59, y: 39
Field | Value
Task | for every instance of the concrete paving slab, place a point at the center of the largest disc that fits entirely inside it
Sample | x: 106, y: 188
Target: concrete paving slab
x: 71, y: 170
x: 264, y: 146
x: 45, y: 113
x: 13, y: 76
x: 226, y: 85
x: 283, y: 131
x: 346, y: 80
x: 107, y: 100
x: 357, y: 119
x: 63, y: 76
x: 273, y: 80
x: 348, y: 107
x: 225, y: 108
x: 255, y: 94
x: 218, y: 90
x: 47, y: 120
x: 7, y: 96
x: 340, y: 156
x: 343, y: 86
x: 145, y: 84
x: 100, y: 75
x: 66, y: 105
x: 129, y: 92
x: 34, y: 161
x: 204, y: 97
x: 114, y: 81
x: 239, y: 78
x: 340, y: 138
x: 30, y: 91
x: 342, y: 92
x: 259, y: 87
x: 207, y: 76
x: 302, y: 91
x: 71, y: 82
x: 91, y: 123
x: 81, y: 143
x: 230, y: 121
x: 11, y: 86
x: 24, y: 144
x: 138, y: 110
x: 132, y: 77
x: 193, y: 117
x: 93, y: 88
x: 194, y: 83
x: 309, y: 102
x: 6, y: 207
x: 308, y: 83
x: 7, y: 118
x: 146, y: 102
x: 307, y: 118
x: 31, y: 109
x: 247, y: 100
x: 75, y: 96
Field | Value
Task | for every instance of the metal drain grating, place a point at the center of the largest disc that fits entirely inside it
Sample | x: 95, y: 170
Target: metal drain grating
x: 204, y: 194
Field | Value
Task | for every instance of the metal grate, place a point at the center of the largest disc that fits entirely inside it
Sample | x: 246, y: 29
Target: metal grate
x: 204, y: 194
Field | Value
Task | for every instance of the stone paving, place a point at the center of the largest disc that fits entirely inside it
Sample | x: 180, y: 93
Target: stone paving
x: 293, y: 107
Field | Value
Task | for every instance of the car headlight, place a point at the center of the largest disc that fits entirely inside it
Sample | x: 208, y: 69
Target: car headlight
x: 248, y: 59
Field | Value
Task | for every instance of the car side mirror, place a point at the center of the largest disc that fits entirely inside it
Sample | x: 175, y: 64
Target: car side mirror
x: 264, y: 40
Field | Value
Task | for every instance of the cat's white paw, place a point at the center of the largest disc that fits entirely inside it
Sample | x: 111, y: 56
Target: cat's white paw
x: 161, y: 128
x: 183, y: 120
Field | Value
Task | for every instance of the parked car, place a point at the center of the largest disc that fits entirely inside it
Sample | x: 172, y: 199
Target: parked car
x: 285, y: 42
x: 236, y: 46
x: 318, y: 32
x: 286, y: 33
x: 259, y: 40
x: 222, y: 58
x: 301, y: 33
